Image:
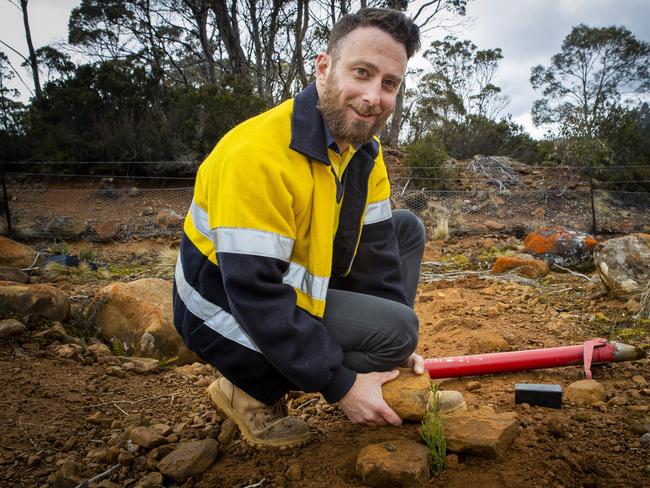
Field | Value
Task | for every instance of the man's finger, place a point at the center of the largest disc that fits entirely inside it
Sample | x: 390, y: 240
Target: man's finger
x: 387, y: 376
x: 418, y: 364
x: 391, y: 417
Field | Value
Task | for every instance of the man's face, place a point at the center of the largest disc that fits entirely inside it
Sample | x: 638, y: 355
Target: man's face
x: 357, y: 88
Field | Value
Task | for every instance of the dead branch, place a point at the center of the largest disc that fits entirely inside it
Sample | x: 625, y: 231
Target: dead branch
x: 20, y: 424
x: 571, y: 272
x: 100, y: 476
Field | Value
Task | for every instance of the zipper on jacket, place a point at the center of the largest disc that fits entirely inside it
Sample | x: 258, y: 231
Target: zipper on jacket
x: 339, y: 186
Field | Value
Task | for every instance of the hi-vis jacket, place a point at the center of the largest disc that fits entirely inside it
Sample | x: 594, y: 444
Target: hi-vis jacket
x: 258, y: 252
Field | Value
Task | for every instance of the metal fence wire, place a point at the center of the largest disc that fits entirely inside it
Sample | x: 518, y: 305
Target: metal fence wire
x: 100, y: 208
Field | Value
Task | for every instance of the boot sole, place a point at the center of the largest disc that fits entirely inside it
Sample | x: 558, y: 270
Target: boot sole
x: 220, y: 402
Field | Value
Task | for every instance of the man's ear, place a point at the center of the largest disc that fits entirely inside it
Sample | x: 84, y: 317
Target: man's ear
x: 323, y: 67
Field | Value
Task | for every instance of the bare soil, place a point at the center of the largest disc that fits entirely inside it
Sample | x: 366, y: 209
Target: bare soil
x: 46, y: 400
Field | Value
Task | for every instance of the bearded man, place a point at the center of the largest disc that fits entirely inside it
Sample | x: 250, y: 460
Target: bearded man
x: 293, y: 272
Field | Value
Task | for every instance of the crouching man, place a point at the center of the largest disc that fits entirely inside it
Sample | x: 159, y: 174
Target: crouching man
x: 293, y: 272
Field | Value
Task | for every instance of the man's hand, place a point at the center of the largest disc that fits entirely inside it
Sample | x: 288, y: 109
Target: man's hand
x: 364, y: 404
x: 416, y: 362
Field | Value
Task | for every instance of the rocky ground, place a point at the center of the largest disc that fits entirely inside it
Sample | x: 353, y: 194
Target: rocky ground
x: 73, y: 411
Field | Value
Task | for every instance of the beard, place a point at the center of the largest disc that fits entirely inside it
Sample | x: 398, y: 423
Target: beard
x: 343, y: 127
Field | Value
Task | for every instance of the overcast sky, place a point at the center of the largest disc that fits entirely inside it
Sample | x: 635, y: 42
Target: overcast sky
x: 528, y: 31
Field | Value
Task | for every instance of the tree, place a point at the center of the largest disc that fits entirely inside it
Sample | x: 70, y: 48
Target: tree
x: 586, y: 80
x: 459, y: 86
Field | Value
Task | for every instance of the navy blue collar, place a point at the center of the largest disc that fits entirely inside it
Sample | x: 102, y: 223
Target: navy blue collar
x: 309, y: 134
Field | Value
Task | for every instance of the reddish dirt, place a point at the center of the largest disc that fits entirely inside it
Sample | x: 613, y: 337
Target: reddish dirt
x: 46, y: 400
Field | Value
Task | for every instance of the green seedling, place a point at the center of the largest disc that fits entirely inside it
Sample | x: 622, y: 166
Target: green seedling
x: 432, y: 432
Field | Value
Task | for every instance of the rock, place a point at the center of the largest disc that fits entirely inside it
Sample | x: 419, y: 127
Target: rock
x: 522, y: 265
x: 34, y: 460
x: 623, y: 263
x: 43, y: 300
x: 147, y: 437
x: 168, y: 218
x: 125, y: 458
x: 11, y: 328
x: 228, y: 432
x: 66, y: 476
x: 585, y: 392
x: 639, y: 380
x: 484, y: 341
x: 494, y: 225
x: 115, y: 371
x: 96, y: 418
x: 194, y: 370
x: 473, y: 385
x: 294, y: 472
x: 16, y: 255
x: 618, y: 401
x: 64, y: 228
x: 55, y: 333
x: 402, y: 463
x: 70, y: 351
x: 564, y: 247
x: 645, y: 440
x: 107, y: 230
x: 142, y: 365
x: 13, y: 274
x: 137, y: 317
x: 482, y: 433
x: 99, y: 349
x: 150, y: 480
x: 162, y: 429
x: 409, y: 395
x: 189, y: 459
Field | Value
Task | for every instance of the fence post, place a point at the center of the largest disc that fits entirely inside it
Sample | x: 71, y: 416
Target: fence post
x: 10, y: 232
x: 594, y: 229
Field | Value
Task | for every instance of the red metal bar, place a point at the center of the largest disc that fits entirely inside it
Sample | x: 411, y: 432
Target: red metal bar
x: 594, y: 351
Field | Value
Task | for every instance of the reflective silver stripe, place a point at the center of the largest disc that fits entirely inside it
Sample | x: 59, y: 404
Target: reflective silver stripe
x: 214, y: 317
x: 298, y: 277
x: 255, y: 242
x: 200, y: 220
x: 376, y: 212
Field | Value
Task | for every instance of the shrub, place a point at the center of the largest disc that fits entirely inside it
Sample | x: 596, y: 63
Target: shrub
x: 426, y: 157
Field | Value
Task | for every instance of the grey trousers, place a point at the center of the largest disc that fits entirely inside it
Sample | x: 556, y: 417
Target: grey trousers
x: 377, y: 334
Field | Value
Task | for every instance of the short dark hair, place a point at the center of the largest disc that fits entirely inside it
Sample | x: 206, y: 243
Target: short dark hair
x: 393, y: 22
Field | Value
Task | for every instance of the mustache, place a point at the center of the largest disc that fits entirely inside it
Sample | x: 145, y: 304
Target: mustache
x: 366, y: 110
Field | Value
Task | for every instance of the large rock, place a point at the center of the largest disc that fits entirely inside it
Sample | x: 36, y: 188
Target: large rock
x: 585, y: 392
x: 189, y: 459
x: 15, y: 255
x: 8, y: 273
x: 409, y: 395
x: 11, y: 328
x: 136, y: 318
x: 397, y: 463
x: 564, y: 247
x: 43, y: 300
x: 623, y: 263
x: 482, y: 433
x: 523, y: 265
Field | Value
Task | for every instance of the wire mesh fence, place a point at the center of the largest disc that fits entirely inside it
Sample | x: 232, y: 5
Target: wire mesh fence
x: 101, y: 207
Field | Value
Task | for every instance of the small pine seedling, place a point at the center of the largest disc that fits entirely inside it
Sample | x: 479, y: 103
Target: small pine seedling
x: 433, y: 433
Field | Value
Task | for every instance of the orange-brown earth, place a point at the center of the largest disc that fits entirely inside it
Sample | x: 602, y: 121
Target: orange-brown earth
x: 46, y: 400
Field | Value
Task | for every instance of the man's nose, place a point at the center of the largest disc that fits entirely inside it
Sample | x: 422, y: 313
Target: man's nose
x: 372, y: 94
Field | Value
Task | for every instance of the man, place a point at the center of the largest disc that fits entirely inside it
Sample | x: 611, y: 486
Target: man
x: 293, y: 273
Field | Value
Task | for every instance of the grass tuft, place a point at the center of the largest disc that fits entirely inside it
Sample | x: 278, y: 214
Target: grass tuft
x: 433, y: 433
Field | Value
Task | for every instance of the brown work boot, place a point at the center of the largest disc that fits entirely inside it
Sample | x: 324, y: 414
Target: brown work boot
x: 261, y: 425
x: 450, y: 402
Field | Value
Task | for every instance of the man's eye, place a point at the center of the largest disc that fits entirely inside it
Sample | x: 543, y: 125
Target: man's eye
x: 390, y: 84
x: 363, y: 73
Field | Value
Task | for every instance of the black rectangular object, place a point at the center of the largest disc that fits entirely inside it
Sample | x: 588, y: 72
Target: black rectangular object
x: 539, y: 394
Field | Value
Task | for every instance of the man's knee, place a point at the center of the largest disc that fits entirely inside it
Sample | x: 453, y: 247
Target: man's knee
x: 409, y: 228
x: 408, y: 336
